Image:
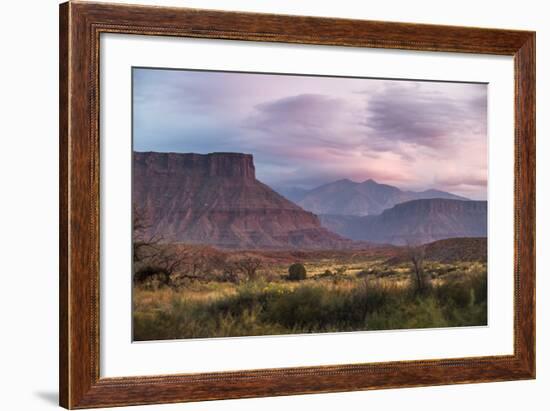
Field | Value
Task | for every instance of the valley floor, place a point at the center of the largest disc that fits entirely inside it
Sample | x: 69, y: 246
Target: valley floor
x: 349, y: 292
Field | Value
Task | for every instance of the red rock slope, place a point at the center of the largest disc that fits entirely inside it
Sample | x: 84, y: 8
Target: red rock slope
x: 215, y: 199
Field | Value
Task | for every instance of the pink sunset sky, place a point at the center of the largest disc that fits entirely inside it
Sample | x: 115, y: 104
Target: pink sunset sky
x: 304, y: 131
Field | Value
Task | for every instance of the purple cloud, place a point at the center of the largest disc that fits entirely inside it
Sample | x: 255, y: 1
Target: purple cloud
x: 306, y: 131
x: 430, y: 118
x: 307, y: 111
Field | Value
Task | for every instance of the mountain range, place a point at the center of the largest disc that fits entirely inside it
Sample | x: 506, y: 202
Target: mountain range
x: 215, y: 199
x: 346, y: 197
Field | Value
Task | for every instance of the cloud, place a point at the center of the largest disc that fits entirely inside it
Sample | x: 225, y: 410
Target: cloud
x: 468, y: 180
x: 307, y: 120
x: 184, y: 91
x: 310, y: 130
x: 304, y: 111
x: 422, y: 116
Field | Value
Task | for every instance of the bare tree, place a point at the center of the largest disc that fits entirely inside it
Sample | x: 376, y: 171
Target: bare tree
x: 162, y: 266
x: 194, y: 263
x: 216, y: 262
x: 416, y: 254
x: 249, y: 267
x: 151, y: 258
x: 223, y: 265
x: 197, y: 264
x: 230, y: 271
x: 144, y: 245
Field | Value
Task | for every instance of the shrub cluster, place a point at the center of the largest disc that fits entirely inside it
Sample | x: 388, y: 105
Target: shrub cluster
x: 297, y: 272
x: 262, y: 308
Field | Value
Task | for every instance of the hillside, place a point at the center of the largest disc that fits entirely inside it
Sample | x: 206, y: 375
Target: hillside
x: 450, y: 250
x: 417, y: 221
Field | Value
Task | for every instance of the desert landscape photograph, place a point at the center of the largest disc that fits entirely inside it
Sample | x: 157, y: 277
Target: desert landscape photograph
x: 273, y: 204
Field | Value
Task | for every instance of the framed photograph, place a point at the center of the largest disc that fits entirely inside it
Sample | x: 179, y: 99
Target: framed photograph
x: 258, y: 205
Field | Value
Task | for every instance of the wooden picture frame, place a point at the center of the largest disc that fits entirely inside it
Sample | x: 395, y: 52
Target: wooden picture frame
x: 80, y: 27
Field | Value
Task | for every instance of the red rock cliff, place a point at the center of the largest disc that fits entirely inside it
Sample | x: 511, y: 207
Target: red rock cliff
x: 215, y: 199
x: 227, y: 165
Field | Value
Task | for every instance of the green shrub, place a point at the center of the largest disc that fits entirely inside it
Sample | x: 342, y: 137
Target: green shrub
x: 297, y: 272
x: 454, y: 292
x: 265, y: 308
x: 479, y: 285
x: 153, y: 276
x: 419, y: 312
x: 316, y: 308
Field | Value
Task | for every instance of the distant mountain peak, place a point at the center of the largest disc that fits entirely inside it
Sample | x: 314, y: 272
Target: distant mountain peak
x: 435, y: 193
x: 346, y: 197
x: 343, y: 181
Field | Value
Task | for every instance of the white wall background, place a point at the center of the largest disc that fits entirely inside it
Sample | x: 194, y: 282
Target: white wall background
x: 28, y: 205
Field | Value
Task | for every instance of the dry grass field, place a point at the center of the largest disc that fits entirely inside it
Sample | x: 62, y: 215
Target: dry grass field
x: 340, y: 292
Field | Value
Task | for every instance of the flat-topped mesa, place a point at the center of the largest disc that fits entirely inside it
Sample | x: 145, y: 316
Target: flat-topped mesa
x: 200, y: 165
x: 215, y: 199
x: 430, y: 206
x: 416, y: 221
